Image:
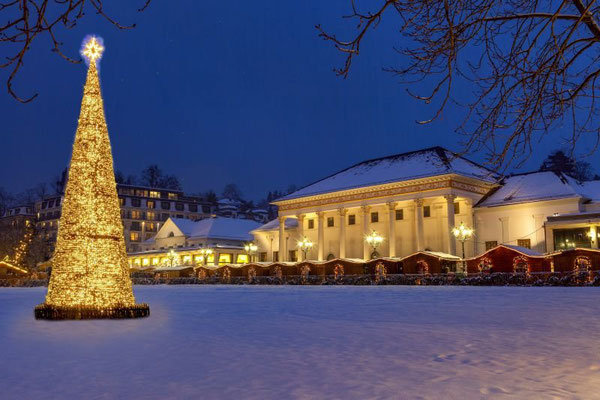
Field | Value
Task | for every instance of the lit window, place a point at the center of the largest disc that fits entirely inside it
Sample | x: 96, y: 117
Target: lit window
x: 150, y: 204
x: 154, y: 194
x: 173, y: 196
x: 150, y: 215
x: 137, y: 262
x: 135, y: 214
x: 134, y: 236
x: 187, y: 259
x: 330, y: 222
x: 146, y: 262
x: 155, y: 261
x: 490, y: 244
x: 524, y: 243
x: 121, y: 201
x: 224, y: 258
x: 242, y: 258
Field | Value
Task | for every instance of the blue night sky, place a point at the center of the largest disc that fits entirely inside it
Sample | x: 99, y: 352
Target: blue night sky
x: 218, y: 92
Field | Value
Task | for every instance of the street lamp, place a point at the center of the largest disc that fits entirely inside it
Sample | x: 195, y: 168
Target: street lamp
x: 250, y: 249
x: 374, y: 240
x: 205, y: 253
x: 305, y: 245
x: 463, y: 233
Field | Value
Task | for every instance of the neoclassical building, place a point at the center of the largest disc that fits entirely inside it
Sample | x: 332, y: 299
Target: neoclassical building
x: 413, y: 200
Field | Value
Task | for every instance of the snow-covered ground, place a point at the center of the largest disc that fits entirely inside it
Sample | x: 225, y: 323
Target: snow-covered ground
x: 275, y: 342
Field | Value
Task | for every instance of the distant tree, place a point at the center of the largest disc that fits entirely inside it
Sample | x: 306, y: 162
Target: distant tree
x: 6, y: 199
x: 232, y: 192
x: 119, y: 177
x: 558, y: 161
x: 211, y: 197
x: 60, y: 182
x: 151, y: 176
x: 170, y: 182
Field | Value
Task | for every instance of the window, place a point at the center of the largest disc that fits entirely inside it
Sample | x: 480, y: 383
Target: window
x: 172, y: 196
x: 136, y: 202
x: 490, y: 244
x: 154, y: 194
x: 427, y: 211
x: 351, y: 219
x: 135, y: 226
x: 571, y: 238
x: 375, y: 216
x: 44, y: 205
x: 151, y: 215
x: 524, y: 243
x: 330, y: 222
x: 151, y: 204
x: 58, y: 202
x: 399, y: 215
x: 242, y: 259
x: 193, y: 207
x: 165, y: 205
x: 134, y: 236
x: 275, y: 256
x: 164, y: 216
x: 457, y: 208
x: 224, y: 258
x: 311, y: 224
x: 179, y: 206
x: 151, y: 227
x: 293, y: 255
x: 121, y: 201
x: 206, y: 209
x: 262, y: 256
x: 136, y: 214
x: 51, y: 204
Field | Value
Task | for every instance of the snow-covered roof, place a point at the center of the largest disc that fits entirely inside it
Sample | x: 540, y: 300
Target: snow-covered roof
x: 274, y: 224
x: 437, y: 254
x: 523, y: 250
x: 534, y: 186
x: 400, y: 167
x: 217, y: 228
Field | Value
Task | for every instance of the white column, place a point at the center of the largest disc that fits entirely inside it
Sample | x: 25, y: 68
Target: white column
x: 540, y: 245
x: 392, y: 228
x: 594, y: 236
x: 365, y: 225
x: 282, y: 250
x: 321, y: 236
x: 300, y: 225
x: 505, y: 233
x: 342, y: 214
x: 451, y: 223
x: 419, y: 224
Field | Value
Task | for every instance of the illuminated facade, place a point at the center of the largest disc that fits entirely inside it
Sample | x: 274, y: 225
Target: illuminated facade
x: 181, y: 242
x: 143, y: 210
x: 414, y: 200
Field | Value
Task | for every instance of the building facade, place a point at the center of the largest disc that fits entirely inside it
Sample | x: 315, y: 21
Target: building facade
x: 183, y: 242
x: 414, y: 200
x: 143, y: 210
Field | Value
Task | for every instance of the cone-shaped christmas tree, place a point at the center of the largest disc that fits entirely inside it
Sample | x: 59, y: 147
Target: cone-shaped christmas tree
x: 90, y: 275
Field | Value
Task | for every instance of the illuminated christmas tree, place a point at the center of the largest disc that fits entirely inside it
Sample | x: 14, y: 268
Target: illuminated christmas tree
x: 90, y: 274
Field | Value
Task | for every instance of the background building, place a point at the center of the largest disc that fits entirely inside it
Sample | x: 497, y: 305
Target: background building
x: 413, y: 200
x: 143, y: 209
x: 180, y: 242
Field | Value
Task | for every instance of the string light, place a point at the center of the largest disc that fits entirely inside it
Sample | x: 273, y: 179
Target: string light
x: 90, y: 274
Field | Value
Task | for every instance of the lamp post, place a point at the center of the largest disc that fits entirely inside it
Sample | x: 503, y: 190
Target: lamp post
x: 374, y: 240
x: 205, y: 253
x: 305, y: 245
x: 463, y: 233
x: 250, y: 249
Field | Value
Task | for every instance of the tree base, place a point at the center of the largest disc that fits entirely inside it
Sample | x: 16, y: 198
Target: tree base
x: 45, y: 311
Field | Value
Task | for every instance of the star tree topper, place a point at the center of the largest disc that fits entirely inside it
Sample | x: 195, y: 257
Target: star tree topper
x: 92, y: 49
